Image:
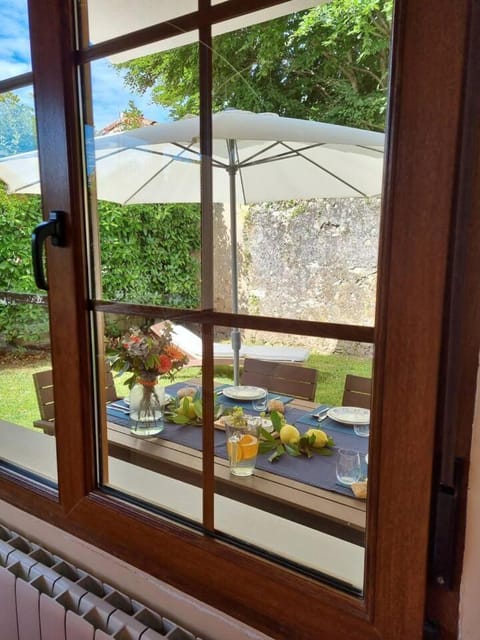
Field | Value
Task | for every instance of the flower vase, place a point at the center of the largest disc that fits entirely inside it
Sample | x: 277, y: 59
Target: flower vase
x: 146, y: 406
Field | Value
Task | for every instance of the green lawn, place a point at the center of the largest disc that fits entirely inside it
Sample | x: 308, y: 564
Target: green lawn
x: 18, y: 403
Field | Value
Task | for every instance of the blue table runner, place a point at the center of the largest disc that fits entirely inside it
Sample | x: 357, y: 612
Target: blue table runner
x: 318, y: 471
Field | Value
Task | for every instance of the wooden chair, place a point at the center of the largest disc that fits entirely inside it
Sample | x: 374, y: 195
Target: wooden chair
x: 43, y: 382
x: 290, y: 379
x: 357, y: 392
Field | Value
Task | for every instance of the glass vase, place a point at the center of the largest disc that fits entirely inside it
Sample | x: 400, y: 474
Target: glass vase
x: 146, y: 406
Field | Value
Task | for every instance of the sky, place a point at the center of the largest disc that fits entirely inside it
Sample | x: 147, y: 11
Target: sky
x: 110, y: 97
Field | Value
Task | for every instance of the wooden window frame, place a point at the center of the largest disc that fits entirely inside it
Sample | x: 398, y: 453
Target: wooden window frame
x: 424, y: 125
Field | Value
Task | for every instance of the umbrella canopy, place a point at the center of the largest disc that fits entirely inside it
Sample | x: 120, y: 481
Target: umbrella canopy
x: 274, y: 158
x: 256, y: 158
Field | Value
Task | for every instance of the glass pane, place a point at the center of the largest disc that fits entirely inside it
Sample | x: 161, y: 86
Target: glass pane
x: 149, y: 222
x: 15, y: 57
x: 26, y: 397
x: 296, y: 233
x: 155, y: 443
x: 277, y: 468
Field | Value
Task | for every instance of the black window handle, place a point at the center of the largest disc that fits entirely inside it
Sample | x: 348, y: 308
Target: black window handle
x: 55, y: 228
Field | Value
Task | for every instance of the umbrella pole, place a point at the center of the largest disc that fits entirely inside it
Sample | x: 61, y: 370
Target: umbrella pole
x: 235, y: 333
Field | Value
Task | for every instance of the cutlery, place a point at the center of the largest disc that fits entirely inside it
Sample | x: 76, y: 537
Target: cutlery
x: 321, y: 418
x: 319, y: 413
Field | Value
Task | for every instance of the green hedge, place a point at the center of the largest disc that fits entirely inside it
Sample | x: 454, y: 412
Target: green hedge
x: 149, y: 255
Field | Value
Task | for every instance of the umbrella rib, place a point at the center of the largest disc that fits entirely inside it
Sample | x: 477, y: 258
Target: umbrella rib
x: 251, y: 162
x: 248, y: 161
x: 215, y: 162
x: 237, y: 167
x: 167, y: 164
x: 174, y: 157
x: 24, y: 186
x: 363, y: 146
x: 297, y: 152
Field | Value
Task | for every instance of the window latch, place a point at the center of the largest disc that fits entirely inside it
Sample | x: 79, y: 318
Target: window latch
x: 55, y: 228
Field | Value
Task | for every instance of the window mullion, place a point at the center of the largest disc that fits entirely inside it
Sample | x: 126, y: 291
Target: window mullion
x: 205, y: 75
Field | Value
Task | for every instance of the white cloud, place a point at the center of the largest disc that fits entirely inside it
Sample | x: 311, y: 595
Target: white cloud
x: 14, y: 38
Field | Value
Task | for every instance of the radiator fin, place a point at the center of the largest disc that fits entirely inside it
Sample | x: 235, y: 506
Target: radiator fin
x: 46, y: 598
x: 28, y: 613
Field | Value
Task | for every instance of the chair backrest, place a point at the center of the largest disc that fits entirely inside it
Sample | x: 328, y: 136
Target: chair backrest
x: 357, y: 392
x: 43, y: 382
x: 290, y: 379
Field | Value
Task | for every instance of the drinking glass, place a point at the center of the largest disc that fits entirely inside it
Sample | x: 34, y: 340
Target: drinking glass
x: 348, y: 466
x: 242, y: 446
x: 260, y: 404
x: 362, y: 430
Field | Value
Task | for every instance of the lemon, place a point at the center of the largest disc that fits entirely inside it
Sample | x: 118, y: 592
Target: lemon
x: 187, y: 408
x: 289, y: 434
x: 321, y: 438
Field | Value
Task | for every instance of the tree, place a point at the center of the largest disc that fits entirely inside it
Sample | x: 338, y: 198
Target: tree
x: 328, y: 63
x: 17, y: 125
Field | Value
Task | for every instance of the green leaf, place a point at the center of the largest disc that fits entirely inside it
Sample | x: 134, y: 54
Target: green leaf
x: 292, y: 449
x: 306, y: 441
x: 178, y: 419
x: 265, y: 447
x: 324, y: 451
x: 306, y: 450
x: 277, y: 420
x: 279, y: 451
x: 266, y: 435
x: 218, y: 410
x: 197, y: 405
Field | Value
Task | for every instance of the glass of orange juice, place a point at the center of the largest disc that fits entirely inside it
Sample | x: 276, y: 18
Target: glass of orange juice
x: 242, y: 445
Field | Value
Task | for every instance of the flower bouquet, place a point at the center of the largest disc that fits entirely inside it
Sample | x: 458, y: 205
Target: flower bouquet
x: 147, y: 355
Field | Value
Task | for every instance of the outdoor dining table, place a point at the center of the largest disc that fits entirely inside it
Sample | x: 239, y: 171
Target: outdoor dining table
x: 297, y: 486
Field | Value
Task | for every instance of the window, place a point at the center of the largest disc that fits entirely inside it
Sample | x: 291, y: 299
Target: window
x: 155, y: 503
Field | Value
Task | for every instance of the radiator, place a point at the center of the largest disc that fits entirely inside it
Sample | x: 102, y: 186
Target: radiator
x: 43, y: 597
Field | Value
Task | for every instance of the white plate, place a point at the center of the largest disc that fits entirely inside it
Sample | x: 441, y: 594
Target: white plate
x: 349, y: 415
x: 168, y: 398
x: 244, y: 393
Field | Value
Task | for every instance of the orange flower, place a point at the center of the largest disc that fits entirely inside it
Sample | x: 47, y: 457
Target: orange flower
x: 174, y: 353
x: 164, y: 363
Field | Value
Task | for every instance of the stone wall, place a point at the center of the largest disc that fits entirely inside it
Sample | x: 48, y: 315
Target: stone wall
x: 312, y: 260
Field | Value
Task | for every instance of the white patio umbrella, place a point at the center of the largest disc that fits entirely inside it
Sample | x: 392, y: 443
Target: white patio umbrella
x: 256, y: 158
